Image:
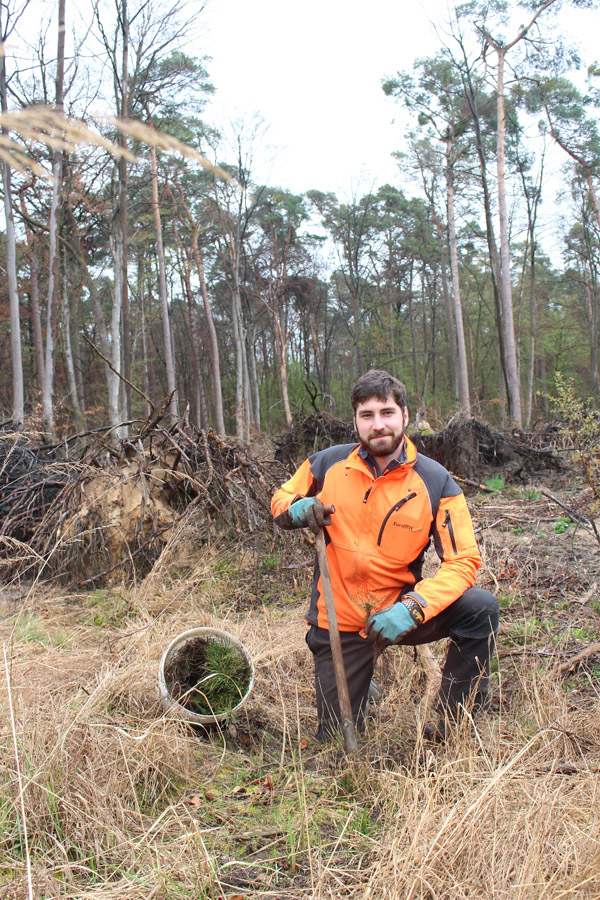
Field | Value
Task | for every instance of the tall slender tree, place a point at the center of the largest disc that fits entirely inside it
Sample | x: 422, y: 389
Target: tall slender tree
x: 8, y: 18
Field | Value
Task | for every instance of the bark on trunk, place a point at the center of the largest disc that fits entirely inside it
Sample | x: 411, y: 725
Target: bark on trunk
x: 281, y: 350
x: 78, y: 416
x: 147, y: 379
x: 34, y: 293
x: 489, y: 227
x: 450, y: 326
x: 53, y: 274
x: 215, y: 364
x: 464, y: 397
x: 114, y: 381
x: 512, y: 369
x: 413, y: 329
x: 122, y: 215
x: 162, y: 287
x: 200, y: 409
x: 18, y: 387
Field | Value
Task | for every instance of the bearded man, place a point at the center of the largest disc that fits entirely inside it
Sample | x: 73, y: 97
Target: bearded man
x: 380, y: 503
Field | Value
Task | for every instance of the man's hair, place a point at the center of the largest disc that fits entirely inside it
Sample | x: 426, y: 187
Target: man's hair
x: 380, y: 384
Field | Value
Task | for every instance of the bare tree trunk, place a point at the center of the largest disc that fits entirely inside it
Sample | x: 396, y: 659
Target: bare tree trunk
x: 189, y: 311
x: 212, y: 336
x: 18, y: 392
x: 18, y: 387
x: 254, y: 381
x: 53, y: 267
x: 464, y: 398
x: 453, y: 370
x: 512, y: 369
x: 531, y: 369
x: 243, y: 402
x: 68, y: 355
x: 162, y: 287
x: 532, y: 199
x: 281, y: 350
x: 513, y: 386
x: 18, y: 407
x: 413, y: 329
x: 114, y: 382
x: 238, y: 340
x: 429, y: 190
x: 591, y: 291
x: 36, y: 318
x: 495, y: 274
x: 122, y: 214
x: 144, y: 330
x: 106, y: 346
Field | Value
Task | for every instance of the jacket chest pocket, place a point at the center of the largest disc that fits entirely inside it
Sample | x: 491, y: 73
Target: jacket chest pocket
x: 403, y: 529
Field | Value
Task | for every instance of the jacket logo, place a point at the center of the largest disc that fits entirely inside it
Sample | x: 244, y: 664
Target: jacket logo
x: 407, y: 526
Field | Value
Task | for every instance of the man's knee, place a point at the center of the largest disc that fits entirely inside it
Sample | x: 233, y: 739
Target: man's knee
x: 476, y: 614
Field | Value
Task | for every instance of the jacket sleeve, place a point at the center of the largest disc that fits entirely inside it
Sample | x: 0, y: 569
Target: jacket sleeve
x: 456, y: 547
x: 301, y: 484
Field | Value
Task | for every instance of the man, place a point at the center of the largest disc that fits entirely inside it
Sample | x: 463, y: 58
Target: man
x: 380, y: 503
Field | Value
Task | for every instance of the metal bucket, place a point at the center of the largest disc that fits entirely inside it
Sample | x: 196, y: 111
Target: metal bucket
x: 178, y: 647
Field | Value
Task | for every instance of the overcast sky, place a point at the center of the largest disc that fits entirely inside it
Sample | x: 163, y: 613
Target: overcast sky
x: 312, y: 71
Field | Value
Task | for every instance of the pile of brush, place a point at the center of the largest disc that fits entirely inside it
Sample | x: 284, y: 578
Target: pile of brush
x: 95, y: 508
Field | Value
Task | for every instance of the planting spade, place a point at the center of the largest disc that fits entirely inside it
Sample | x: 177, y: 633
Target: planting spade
x: 348, y: 730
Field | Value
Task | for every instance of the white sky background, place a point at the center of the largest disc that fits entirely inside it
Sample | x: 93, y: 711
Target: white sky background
x: 312, y: 71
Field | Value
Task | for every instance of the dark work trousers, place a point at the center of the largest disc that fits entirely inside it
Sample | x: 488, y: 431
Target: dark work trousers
x: 471, y: 623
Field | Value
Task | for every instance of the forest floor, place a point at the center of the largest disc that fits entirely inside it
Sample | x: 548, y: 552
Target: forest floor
x: 105, y: 796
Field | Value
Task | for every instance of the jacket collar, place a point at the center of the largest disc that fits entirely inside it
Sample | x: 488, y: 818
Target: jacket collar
x: 407, y: 457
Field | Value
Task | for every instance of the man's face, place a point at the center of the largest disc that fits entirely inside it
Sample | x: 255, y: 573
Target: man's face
x: 380, y: 425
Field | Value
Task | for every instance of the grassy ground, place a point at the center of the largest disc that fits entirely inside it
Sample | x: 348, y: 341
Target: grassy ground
x: 104, y: 796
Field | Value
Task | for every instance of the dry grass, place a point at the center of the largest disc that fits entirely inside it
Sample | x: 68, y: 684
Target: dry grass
x: 118, y: 800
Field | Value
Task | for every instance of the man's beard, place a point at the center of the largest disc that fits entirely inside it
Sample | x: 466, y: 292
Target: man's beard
x: 383, y: 446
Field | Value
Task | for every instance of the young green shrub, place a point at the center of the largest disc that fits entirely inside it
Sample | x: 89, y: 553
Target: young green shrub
x: 561, y: 524
x: 581, y: 428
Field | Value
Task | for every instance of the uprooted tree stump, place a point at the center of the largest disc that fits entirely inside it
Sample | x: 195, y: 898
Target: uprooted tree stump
x: 109, y: 512
x: 470, y: 449
x: 309, y: 434
x: 467, y: 447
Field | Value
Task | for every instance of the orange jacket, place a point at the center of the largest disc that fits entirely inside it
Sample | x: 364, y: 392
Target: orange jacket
x: 380, y: 531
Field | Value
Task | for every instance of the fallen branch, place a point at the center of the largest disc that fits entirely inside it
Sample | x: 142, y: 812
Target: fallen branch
x: 475, y: 484
x: 588, y: 595
x: 588, y: 524
x: 583, y: 654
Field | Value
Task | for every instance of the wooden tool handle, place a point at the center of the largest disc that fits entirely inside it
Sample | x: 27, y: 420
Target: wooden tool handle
x: 348, y: 729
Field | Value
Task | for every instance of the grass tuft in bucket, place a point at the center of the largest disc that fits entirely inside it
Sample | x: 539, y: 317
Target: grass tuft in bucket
x: 206, y: 672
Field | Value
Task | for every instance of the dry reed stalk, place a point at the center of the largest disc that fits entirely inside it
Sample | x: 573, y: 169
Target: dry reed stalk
x: 45, y: 125
x: 19, y: 776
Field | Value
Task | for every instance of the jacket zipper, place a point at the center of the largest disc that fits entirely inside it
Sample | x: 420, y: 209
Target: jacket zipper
x: 447, y: 523
x: 392, y: 511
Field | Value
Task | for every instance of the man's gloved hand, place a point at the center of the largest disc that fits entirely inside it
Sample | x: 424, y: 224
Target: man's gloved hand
x: 311, y: 513
x: 389, y: 625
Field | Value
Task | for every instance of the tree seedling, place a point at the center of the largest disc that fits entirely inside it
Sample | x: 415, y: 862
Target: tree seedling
x: 209, y: 677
